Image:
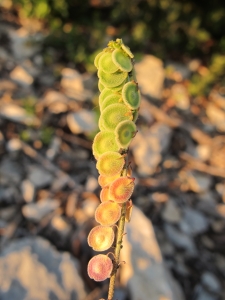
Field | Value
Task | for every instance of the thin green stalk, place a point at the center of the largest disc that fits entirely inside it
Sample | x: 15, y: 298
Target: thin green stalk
x: 119, y: 241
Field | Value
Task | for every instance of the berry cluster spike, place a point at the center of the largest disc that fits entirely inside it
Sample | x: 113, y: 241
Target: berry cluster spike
x: 119, y: 102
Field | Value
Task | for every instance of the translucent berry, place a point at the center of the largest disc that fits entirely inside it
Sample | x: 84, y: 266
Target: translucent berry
x: 110, y: 163
x: 108, y: 213
x: 100, y: 267
x: 131, y: 95
x: 101, y: 238
x: 121, y: 189
x: 124, y: 133
x: 104, y: 141
x: 114, y: 114
x: 111, y: 80
x: 106, y: 64
x: 121, y: 60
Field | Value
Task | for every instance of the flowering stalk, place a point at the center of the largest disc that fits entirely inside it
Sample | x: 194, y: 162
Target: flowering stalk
x: 119, y: 102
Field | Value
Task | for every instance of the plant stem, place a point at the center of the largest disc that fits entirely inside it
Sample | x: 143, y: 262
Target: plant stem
x: 119, y: 241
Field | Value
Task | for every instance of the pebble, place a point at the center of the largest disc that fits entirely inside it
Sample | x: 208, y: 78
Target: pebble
x: 17, y: 114
x: 210, y: 282
x: 11, y: 170
x: 148, y: 147
x: 216, y: 116
x: 39, y: 177
x: 21, y: 76
x: 171, y: 212
x: 33, y: 269
x: 145, y: 274
x: 198, y: 182
x: 56, y: 102
x: 28, y: 190
x: 14, y: 145
x: 180, y: 240
x: 150, y: 74
x: 83, y: 121
x: 179, y: 94
x: 36, y: 211
x: 193, y: 222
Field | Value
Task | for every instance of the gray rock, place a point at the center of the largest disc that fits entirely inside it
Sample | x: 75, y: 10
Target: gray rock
x: 22, y: 45
x: 198, y: 182
x: 193, y: 222
x: 180, y: 240
x: 144, y: 273
x: 32, y: 269
x: 171, y: 212
x: 202, y: 294
x: 83, y: 121
x: 150, y: 74
x: 39, y: 177
x: 210, y: 282
x: 37, y: 211
x: 11, y: 170
x: 148, y: 147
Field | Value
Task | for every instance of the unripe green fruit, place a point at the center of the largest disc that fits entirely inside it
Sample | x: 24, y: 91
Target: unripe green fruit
x: 110, y: 163
x: 131, y: 95
x: 121, y: 60
x: 111, y: 99
x: 104, y: 141
x: 104, y: 93
x: 111, y: 80
x: 124, y: 133
x: 97, y: 57
x: 114, y: 114
x: 106, y: 64
x: 101, y: 87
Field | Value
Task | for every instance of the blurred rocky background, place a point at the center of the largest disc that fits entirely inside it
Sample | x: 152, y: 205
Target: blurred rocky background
x: 175, y: 244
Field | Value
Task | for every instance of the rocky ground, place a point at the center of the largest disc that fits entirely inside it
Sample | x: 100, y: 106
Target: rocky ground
x: 49, y: 189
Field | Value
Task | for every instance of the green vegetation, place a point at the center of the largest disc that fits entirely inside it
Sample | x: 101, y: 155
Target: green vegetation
x: 166, y: 28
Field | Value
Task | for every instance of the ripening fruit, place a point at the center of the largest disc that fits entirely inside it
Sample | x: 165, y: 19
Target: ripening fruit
x: 104, y: 141
x: 108, y: 213
x: 106, y: 64
x: 101, y: 238
x: 104, y: 181
x: 121, y: 60
x: 124, y: 133
x: 131, y: 95
x: 111, y: 99
x: 111, y: 80
x: 97, y: 57
x: 113, y: 115
x: 100, y: 267
x: 121, y: 189
x: 104, y: 194
x: 110, y: 163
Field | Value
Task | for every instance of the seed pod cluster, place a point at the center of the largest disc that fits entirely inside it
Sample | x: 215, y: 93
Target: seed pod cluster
x: 119, y: 102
